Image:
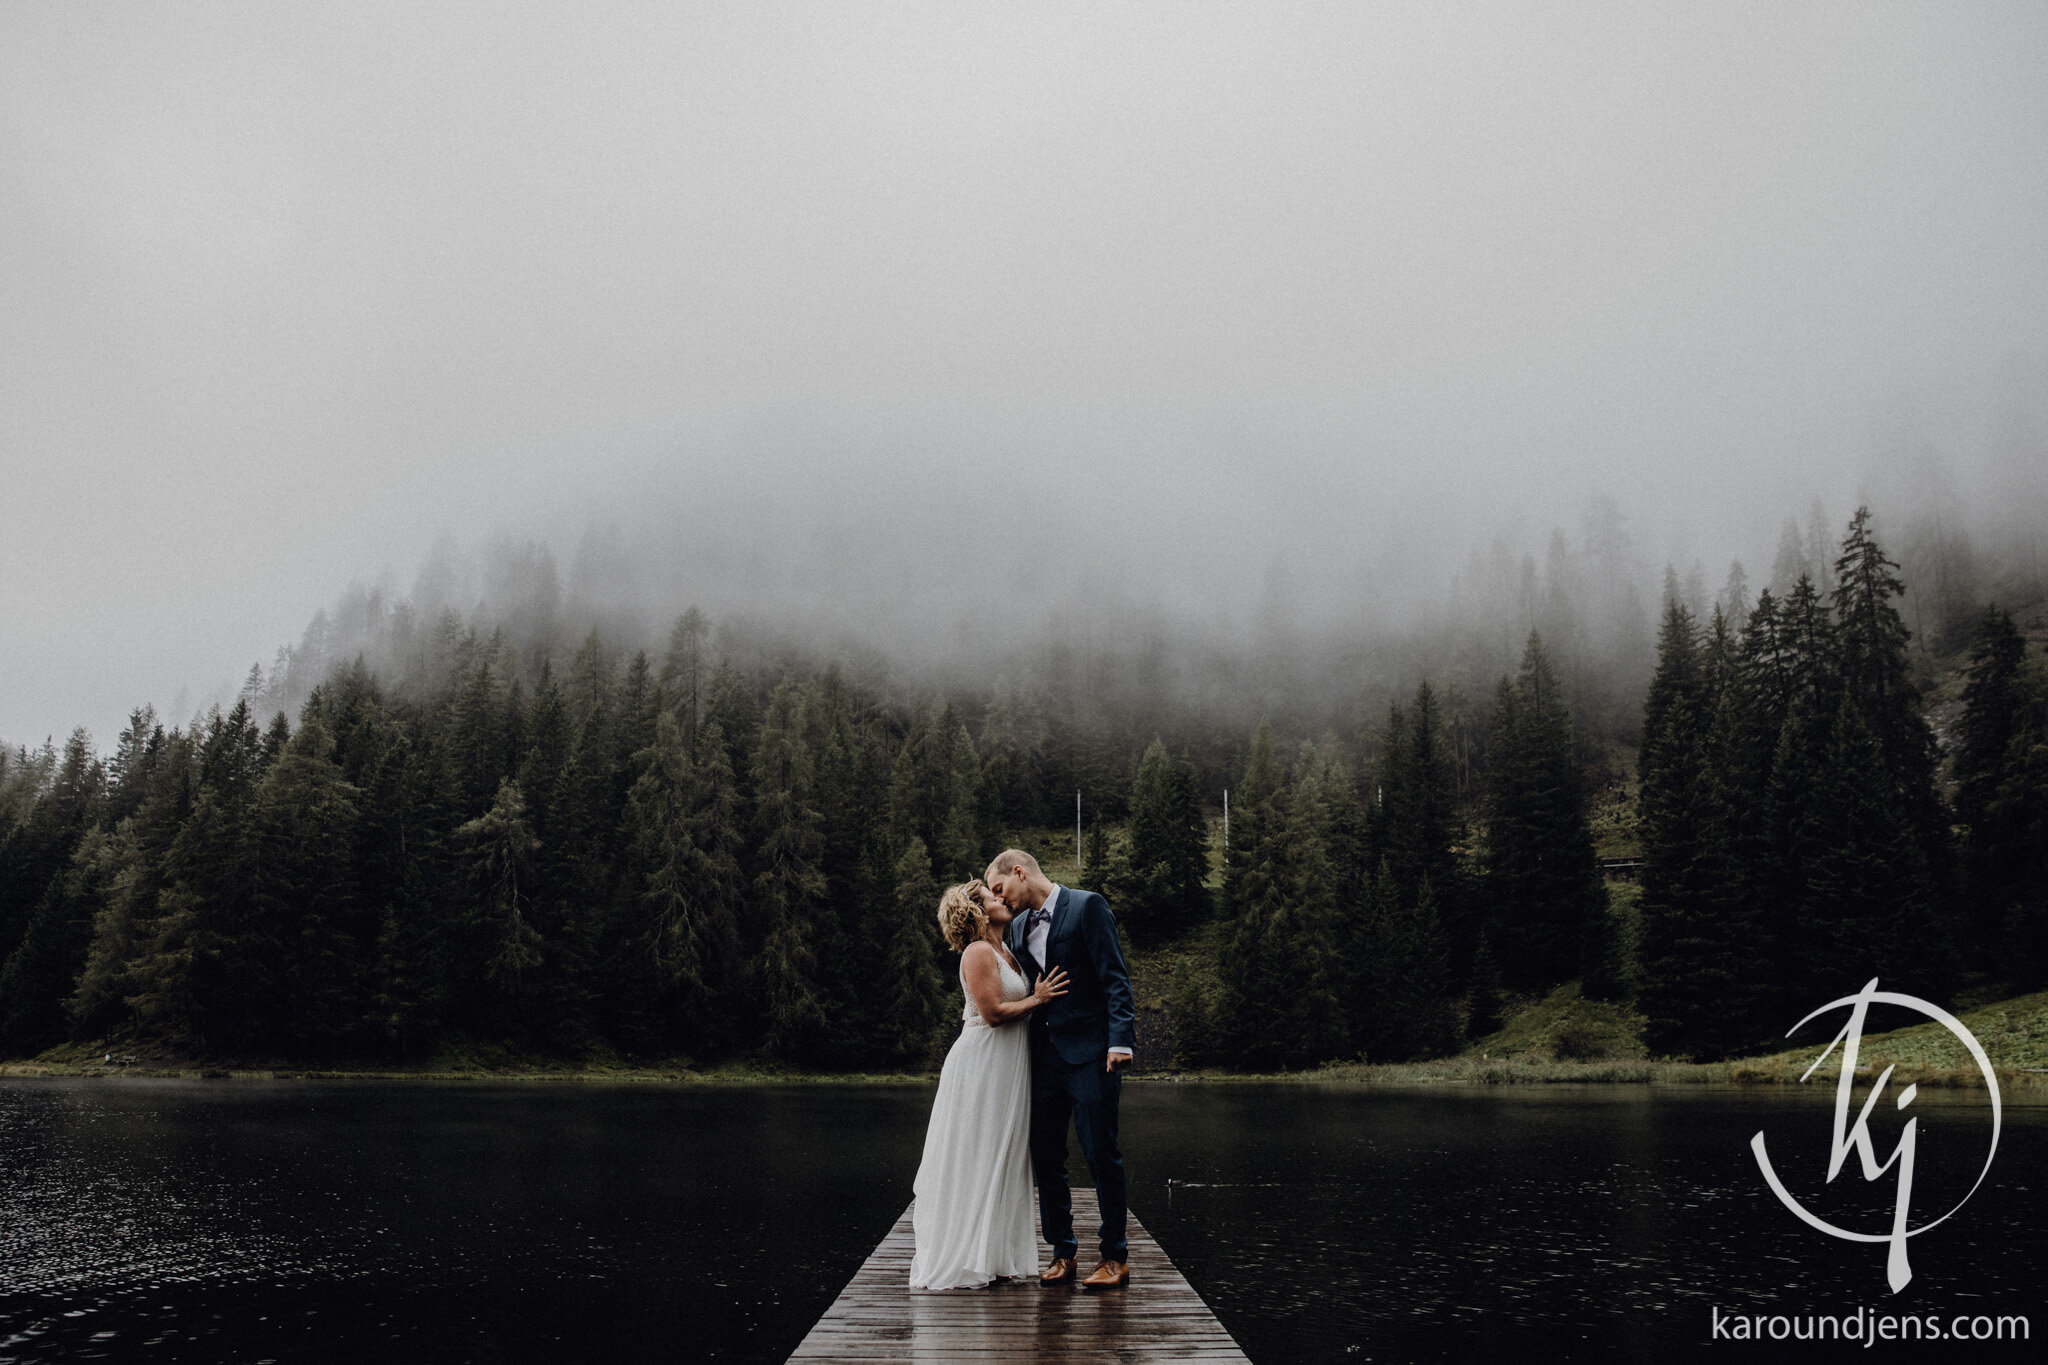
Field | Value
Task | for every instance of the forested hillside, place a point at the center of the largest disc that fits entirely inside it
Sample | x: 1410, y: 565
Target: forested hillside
x: 435, y: 832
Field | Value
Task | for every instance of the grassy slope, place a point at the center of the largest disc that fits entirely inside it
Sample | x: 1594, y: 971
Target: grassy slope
x: 2013, y: 1032
x: 1563, y: 1037
x: 1563, y: 1025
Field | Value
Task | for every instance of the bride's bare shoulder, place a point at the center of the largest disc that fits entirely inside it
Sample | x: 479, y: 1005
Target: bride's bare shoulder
x: 978, y: 951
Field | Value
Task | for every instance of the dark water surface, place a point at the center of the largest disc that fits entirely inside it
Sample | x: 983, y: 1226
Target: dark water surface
x: 312, y: 1221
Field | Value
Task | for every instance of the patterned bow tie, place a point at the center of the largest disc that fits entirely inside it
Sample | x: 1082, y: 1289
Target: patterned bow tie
x: 1037, y: 917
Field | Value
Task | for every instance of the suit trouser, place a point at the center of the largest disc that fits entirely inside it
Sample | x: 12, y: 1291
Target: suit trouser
x: 1085, y: 1094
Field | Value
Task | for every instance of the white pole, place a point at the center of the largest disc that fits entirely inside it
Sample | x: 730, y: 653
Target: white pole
x: 1226, y: 822
x: 1077, y: 832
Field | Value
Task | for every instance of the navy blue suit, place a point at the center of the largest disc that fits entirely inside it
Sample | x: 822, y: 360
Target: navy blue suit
x: 1070, y: 1040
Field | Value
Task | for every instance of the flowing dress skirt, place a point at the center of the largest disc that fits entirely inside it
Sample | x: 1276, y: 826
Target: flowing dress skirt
x: 972, y: 1214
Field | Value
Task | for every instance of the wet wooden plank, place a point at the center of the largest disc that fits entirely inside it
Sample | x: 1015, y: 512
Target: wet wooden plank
x: 1157, y: 1316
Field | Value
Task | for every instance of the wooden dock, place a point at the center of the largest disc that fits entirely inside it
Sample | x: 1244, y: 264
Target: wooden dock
x: 1157, y: 1316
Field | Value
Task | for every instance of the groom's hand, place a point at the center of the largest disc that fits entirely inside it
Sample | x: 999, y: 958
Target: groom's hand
x: 1115, y: 1061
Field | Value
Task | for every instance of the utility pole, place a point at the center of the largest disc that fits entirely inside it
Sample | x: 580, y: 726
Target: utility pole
x: 1226, y: 822
x: 1077, y: 833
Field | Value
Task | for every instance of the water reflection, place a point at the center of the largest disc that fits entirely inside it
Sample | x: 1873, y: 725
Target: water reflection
x: 335, y: 1221
x: 326, y: 1221
x: 1597, y: 1222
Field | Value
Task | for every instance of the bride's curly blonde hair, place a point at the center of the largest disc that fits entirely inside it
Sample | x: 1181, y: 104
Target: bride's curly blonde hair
x: 961, y: 918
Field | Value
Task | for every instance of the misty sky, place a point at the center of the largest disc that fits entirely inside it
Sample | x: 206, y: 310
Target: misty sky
x: 841, y: 305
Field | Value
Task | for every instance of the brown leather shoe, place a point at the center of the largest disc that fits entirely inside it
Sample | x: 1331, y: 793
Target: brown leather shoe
x: 1061, y: 1271
x: 1109, y: 1275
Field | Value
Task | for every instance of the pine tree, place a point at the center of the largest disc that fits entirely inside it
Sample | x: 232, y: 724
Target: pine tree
x: 1767, y: 663
x: 911, y: 993
x: 935, y: 792
x: 1189, y: 1009
x: 1415, y: 822
x: 687, y: 931
x: 843, y: 735
x: 209, y: 971
x: 43, y: 895
x: 596, y: 894
x: 681, y: 684
x: 959, y: 853
x: 1996, y: 700
x: 503, y: 947
x: 129, y: 771
x: 638, y: 702
x: 1872, y: 635
x: 2017, y: 818
x: 1101, y: 869
x: 1305, y: 932
x: 1877, y: 677
x: 206, y: 959
x: 1811, y: 646
x: 417, y: 948
x: 142, y: 845
x: 1760, y: 694
x: 1427, y: 1010
x: 42, y: 971
x: 1863, y: 910
x: 1399, y: 988
x: 1386, y: 810
x: 56, y: 801
x: 788, y: 885
x: 1484, y: 1006
x: 1671, y: 721
x: 1159, y: 887
x: 1734, y: 598
x: 477, y: 739
x: 1012, y: 744
x: 303, y: 898
x: 1373, y: 961
x: 1420, y: 798
x: 1250, y: 1019
x: 1800, y: 686
x: 1251, y: 818
x: 1994, y: 695
x: 910, y: 798
x: 589, y: 681
x: 1347, y: 830
x: 1541, y: 871
x: 731, y: 705
x: 1872, y: 640
x: 719, y: 835
x: 231, y: 757
x: 1696, y: 993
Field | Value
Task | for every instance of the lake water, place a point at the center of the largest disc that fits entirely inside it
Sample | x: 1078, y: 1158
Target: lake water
x: 310, y: 1221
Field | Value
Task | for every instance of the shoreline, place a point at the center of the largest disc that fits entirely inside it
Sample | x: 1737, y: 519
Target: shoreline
x: 1454, y: 1071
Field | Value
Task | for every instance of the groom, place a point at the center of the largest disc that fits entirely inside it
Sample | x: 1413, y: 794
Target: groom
x: 1079, y: 1045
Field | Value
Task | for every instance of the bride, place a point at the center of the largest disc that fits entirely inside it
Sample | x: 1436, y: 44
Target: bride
x: 972, y: 1215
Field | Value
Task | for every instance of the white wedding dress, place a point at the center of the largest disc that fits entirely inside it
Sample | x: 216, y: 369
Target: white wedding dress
x: 972, y: 1213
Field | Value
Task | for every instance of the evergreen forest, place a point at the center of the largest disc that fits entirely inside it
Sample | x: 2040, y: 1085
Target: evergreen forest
x: 454, y: 835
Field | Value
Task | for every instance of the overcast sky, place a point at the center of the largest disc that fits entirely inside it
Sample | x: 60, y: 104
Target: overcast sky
x: 1234, y: 295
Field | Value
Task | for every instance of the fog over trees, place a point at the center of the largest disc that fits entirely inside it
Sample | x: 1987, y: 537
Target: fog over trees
x: 536, y: 827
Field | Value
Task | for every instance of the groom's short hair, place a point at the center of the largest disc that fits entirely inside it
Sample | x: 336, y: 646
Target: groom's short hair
x: 1014, y: 857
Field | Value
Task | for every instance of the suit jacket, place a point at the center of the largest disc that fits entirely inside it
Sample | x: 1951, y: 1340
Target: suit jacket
x: 1097, y: 1013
